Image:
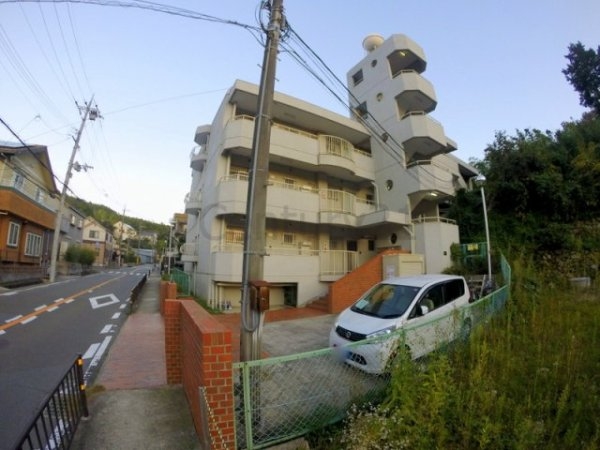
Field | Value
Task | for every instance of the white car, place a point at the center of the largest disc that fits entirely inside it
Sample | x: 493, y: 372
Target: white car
x: 428, y: 308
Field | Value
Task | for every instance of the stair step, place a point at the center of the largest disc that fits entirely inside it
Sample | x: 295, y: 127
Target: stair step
x: 322, y: 304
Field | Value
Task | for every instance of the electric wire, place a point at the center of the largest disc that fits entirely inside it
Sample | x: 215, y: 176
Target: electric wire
x: 53, y: 47
x: 67, y: 52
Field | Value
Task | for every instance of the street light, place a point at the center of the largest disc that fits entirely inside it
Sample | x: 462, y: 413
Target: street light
x: 480, y: 181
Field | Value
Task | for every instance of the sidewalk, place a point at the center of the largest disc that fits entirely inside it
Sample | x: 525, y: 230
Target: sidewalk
x: 132, y: 407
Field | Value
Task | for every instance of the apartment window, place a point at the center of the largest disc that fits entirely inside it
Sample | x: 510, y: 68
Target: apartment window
x: 13, y: 234
x: 357, y: 77
x: 18, y: 183
x: 289, y: 183
x: 33, y: 244
x: 288, y: 238
x: 72, y: 220
x: 79, y: 223
x: 94, y: 234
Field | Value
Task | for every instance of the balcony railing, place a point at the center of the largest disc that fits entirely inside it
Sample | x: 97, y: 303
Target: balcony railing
x: 25, y: 187
x: 433, y: 219
x: 332, y: 263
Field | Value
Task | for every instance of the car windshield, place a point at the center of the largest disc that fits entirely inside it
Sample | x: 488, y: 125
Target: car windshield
x: 386, y: 300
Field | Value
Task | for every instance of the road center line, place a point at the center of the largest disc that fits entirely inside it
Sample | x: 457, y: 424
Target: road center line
x: 20, y: 319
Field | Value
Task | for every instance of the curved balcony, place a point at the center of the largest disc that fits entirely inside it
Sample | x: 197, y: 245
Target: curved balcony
x: 297, y: 148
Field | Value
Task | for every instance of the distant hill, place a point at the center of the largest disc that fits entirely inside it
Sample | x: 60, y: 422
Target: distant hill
x: 107, y: 217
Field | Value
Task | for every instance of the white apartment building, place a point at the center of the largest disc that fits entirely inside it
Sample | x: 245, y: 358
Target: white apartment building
x: 341, y: 189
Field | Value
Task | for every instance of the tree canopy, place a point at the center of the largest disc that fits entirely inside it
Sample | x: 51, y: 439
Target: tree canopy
x: 583, y: 72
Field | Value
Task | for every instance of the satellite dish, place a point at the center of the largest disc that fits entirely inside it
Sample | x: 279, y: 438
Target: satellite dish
x: 372, y: 41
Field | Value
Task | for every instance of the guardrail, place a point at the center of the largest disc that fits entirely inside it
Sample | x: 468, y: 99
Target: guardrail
x: 55, y: 425
x: 135, y: 292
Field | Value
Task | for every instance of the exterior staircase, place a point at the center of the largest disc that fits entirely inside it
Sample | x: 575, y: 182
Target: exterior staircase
x: 346, y: 290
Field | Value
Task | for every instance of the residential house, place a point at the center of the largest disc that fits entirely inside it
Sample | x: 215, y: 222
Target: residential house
x: 71, y: 233
x: 98, y: 238
x: 27, y: 216
x: 341, y: 189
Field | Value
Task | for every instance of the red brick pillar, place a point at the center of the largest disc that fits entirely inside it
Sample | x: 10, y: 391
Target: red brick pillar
x: 173, y: 348
x: 168, y: 290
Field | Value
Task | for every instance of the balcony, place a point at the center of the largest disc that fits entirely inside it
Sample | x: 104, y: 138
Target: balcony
x: 303, y: 150
x: 202, y: 135
x: 407, y: 55
x: 415, y: 92
x: 423, y: 136
x: 293, y: 264
x: 193, y: 202
x: 198, y: 158
x: 189, y: 252
x: 431, y: 177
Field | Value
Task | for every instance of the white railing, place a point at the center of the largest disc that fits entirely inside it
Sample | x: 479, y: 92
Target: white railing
x: 337, y: 146
x: 432, y: 219
x: 419, y: 113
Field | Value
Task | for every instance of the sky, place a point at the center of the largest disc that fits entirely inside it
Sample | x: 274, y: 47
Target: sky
x: 154, y: 77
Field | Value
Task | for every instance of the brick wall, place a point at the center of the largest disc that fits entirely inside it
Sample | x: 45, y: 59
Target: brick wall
x: 346, y: 290
x: 199, y: 355
x: 168, y: 289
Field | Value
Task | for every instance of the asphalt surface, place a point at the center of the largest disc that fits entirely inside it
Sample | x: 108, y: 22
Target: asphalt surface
x: 132, y: 407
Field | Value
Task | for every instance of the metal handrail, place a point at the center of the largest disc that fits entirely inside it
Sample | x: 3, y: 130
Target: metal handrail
x: 55, y: 424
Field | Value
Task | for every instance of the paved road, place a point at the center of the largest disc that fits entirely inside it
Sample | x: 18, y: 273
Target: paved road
x: 42, y: 331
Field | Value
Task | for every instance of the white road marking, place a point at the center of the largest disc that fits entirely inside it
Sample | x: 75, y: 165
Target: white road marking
x: 103, y: 300
x: 13, y: 318
x: 70, y: 300
x: 52, y: 308
x: 59, y: 300
x: 98, y: 355
x: 40, y: 307
x: 116, y: 315
x: 106, y: 329
x: 2, y: 332
x: 91, y: 351
x: 6, y: 294
x: 31, y: 319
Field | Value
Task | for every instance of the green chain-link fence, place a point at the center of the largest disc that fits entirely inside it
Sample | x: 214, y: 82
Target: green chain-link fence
x: 278, y: 399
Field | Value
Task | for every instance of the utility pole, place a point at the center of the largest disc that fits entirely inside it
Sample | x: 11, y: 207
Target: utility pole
x: 256, y: 206
x: 92, y: 114
x: 121, y: 238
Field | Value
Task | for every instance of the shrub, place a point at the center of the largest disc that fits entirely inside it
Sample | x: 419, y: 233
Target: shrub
x: 528, y: 379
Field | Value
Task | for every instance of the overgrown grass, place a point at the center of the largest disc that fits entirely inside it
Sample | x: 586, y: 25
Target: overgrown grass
x: 529, y: 379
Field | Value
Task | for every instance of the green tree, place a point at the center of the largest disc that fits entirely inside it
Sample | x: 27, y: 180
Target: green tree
x: 87, y: 257
x: 72, y: 253
x: 583, y: 72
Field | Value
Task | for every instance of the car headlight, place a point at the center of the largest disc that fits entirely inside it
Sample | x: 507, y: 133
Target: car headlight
x: 383, y: 332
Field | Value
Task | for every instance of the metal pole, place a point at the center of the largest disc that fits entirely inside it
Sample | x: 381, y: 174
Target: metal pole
x: 59, y: 214
x: 169, y: 251
x: 256, y: 206
x: 487, y: 236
